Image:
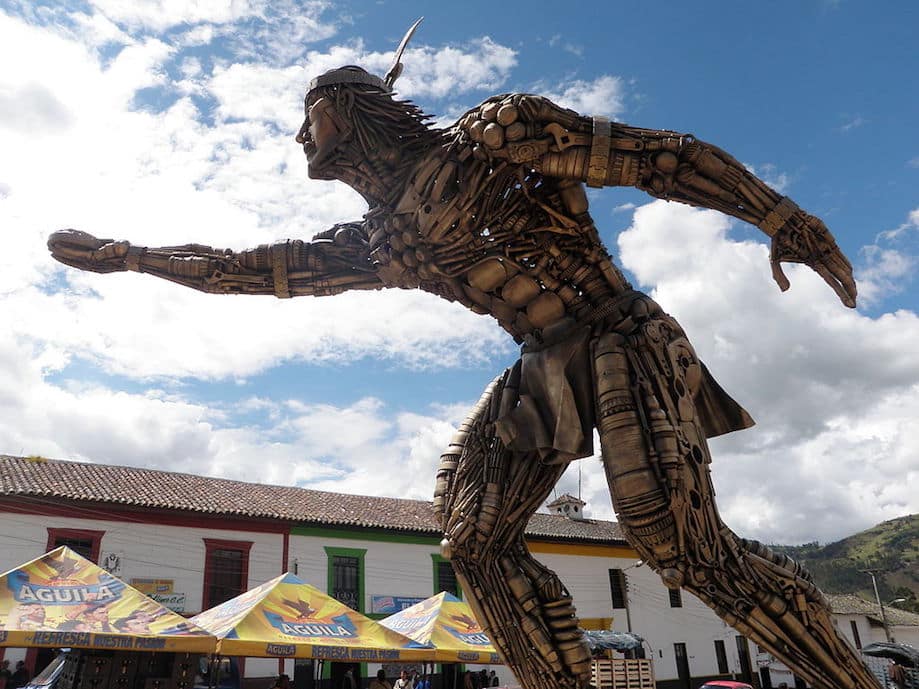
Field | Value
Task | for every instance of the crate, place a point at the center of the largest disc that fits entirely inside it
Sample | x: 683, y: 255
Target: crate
x: 622, y: 673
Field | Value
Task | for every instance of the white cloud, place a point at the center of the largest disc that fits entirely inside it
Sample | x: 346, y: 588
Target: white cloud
x: 852, y: 122
x: 780, y: 181
x: 824, y: 383
x: 836, y: 392
x: 890, y: 262
x: 159, y: 15
x: 319, y: 446
x: 236, y: 184
x: 604, y: 95
x: 481, y: 64
x: 567, y: 46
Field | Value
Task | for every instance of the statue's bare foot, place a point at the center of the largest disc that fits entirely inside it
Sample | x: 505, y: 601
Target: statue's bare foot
x: 82, y: 250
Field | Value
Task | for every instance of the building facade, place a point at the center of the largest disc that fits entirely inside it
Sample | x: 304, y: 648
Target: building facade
x: 193, y: 542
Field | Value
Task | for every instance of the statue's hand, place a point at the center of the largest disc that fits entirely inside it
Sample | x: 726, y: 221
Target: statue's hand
x: 83, y: 251
x: 805, y: 239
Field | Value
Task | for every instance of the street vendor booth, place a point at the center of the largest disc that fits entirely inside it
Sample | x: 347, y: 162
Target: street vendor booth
x: 288, y: 618
x: 62, y: 600
x: 446, y: 625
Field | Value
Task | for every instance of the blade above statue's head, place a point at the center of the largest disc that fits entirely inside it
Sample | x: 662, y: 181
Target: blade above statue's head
x: 352, y: 74
x: 396, y: 70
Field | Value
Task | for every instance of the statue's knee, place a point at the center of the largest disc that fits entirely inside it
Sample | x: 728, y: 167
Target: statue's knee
x: 460, y: 542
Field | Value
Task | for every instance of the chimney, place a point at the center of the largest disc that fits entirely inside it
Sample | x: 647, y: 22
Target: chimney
x: 568, y: 506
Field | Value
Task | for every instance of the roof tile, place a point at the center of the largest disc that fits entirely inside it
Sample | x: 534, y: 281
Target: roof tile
x: 148, y: 488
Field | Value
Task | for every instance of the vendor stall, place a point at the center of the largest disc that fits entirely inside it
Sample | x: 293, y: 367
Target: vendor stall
x: 446, y: 625
x: 286, y: 617
x: 63, y: 600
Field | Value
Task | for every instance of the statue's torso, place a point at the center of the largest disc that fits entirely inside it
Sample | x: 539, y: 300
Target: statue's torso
x: 495, y: 236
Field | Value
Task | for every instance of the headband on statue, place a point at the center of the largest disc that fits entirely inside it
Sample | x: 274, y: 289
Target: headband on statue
x: 357, y: 75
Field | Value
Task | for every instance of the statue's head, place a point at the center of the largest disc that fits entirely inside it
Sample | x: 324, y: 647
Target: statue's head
x: 355, y: 131
x: 329, y: 109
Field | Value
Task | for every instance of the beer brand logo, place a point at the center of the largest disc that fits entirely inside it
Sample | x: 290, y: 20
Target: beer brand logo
x: 280, y: 649
x: 473, y: 639
x: 64, y: 595
x: 334, y: 628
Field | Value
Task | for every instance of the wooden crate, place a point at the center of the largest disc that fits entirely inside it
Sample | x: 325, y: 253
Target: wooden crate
x: 622, y: 673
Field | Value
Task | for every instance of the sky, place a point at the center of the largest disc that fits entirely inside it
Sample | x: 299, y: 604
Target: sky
x: 166, y: 122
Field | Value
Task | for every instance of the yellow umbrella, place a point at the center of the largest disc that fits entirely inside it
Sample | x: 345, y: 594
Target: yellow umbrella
x: 445, y: 624
x: 286, y: 617
x: 62, y: 600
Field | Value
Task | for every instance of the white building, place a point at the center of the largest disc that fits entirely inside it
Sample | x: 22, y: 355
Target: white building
x: 197, y: 541
x: 860, y: 621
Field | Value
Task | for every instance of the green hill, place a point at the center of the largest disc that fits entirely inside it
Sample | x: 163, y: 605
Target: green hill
x: 892, y: 547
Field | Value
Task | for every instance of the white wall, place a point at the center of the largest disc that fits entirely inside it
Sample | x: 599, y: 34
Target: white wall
x: 402, y: 569
x: 148, y: 551
x: 652, y: 618
x: 407, y: 569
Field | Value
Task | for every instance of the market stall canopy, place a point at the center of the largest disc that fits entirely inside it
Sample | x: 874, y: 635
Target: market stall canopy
x: 63, y: 600
x: 602, y: 640
x: 286, y: 617
x: 445, y: 624
x: 904, y: 654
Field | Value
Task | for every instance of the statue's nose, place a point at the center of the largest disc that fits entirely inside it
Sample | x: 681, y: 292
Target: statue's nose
x: 304, y: 132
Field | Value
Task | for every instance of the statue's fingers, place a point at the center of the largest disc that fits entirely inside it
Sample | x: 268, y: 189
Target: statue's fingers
x: 72, y: 255
x: 779, y: 275
x: 846, y: 291
x: 112, y: 250
x: 75, y: 238
x: 839, y: 265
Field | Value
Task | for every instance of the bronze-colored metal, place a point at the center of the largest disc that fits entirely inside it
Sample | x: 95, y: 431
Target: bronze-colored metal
x: 492, y: 213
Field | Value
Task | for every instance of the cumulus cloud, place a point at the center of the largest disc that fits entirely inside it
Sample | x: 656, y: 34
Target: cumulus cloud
x: 208, y: 157
x: 890, y: 262
x: 158, y: 15
x: 834, y: 391
x: 604, y: 95
x: 316, y: 445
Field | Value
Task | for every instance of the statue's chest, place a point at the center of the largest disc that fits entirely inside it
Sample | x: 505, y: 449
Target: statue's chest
x: 440, y: 226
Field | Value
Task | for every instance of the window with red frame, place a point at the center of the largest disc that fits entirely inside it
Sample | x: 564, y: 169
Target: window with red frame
x: 83, y: 541
x: 226, y: 570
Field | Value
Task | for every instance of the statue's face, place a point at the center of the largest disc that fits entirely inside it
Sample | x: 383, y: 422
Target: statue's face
x: 320, y: 135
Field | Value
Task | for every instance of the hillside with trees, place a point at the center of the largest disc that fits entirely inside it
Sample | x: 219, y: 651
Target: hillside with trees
x: 891, y: 547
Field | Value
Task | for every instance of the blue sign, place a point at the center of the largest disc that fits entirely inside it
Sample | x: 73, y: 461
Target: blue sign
x: 387, y: 605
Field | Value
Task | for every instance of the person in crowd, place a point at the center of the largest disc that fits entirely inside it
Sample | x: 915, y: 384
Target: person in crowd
x: 468, y: 682
x: 282, y: 682
x: 380, y: 681
x: 5, y: 672
x: 348, y: 681
x: 21, y: 677
x: 492, y: 678
x: 404, y: 681
x: 897, y: 675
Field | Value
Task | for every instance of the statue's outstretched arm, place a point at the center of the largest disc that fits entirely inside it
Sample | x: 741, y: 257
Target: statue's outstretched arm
x: 563, y: 144
x: 335, y: 261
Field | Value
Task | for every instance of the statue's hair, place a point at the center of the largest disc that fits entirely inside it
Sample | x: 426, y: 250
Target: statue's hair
x: 379, y: 120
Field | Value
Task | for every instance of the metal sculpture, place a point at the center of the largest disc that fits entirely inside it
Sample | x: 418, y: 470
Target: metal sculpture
x: 492, y: 213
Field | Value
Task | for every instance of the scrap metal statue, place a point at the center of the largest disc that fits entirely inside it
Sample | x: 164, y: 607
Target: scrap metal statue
x: 492, y: 213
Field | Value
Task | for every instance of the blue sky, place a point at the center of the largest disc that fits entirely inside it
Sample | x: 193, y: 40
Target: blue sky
x: 166, y: 122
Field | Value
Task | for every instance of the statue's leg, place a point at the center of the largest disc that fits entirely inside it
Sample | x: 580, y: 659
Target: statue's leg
x: 657, y: 463
x: 485, y: 496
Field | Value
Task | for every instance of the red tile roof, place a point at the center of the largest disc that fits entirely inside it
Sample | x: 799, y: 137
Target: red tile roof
x: 38, y: 477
